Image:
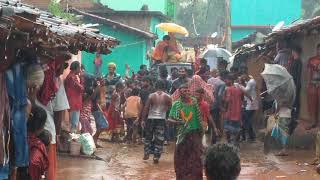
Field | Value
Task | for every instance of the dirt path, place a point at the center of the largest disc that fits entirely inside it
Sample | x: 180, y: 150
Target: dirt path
x: 125, y: 162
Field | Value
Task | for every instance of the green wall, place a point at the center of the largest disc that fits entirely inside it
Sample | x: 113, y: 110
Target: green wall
x: 262, y: 13
x: 132, y: 51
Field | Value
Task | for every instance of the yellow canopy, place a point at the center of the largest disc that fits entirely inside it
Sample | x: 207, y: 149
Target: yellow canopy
x: 172, y: 27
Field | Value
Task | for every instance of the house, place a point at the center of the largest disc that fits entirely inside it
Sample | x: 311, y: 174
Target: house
x: 303, y: 33
x: 135, y: 29
x: 249, y: 16
x: 167, y: 7
x: 135, y: 43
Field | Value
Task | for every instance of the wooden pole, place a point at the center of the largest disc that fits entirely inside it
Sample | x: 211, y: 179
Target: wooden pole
x: 228, y: 40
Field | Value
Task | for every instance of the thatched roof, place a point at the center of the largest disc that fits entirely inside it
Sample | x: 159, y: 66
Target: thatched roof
x: 49, y: 32
x: 268, y: 47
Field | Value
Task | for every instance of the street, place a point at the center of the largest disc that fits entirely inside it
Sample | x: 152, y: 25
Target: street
x: 125, y: 162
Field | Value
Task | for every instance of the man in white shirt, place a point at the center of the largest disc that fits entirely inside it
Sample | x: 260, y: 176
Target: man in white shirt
x: 251, y: 105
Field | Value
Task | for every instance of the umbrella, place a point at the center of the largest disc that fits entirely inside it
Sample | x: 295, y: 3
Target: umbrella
x: 172, y: 27
x: 280, y: 84
x: 212, y: 53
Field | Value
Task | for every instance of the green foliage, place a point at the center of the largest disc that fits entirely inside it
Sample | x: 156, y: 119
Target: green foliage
x: 310, y: 8
x: 208, y: 16
x: 56, y: 9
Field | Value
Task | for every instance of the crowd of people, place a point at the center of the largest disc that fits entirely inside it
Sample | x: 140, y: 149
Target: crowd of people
x: 156, y: 108
x: 152, y: 107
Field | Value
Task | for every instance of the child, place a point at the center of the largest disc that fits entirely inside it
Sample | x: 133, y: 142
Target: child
x: 205, y: 111
x: 39, y: 162
x: 233, y: 100
x: 131, y: 114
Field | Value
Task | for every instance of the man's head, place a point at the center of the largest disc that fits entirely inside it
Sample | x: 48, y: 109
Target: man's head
x: 184, y: 90
x: 112, y: 68
x: 166, y: 38
x: 146, y: 82
x: 119, y: 86
x: 297, y: 51
x: 229, y: 79
x: 135, y: 92
x: 222, y: 161
x: 174, y: 72
x: 203, y: 62
x: 214, y: 73
x: 182, y: 72
x: 75, y: 67
x: 160, y: 85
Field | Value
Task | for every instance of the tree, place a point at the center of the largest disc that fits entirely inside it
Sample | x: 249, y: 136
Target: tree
x: 310, y: 8
x: 201, y: 17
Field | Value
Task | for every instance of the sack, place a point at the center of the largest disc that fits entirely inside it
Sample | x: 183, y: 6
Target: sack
x: 88, y: 146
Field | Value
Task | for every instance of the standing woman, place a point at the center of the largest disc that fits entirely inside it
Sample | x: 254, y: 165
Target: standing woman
x: 186, y: 114
x: 74, y: 89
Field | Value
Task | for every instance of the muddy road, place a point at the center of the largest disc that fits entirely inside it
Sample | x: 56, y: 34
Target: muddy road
x: 124, y: 162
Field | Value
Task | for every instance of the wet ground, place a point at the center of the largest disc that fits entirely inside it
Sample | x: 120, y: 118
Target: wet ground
x: 124, y: 162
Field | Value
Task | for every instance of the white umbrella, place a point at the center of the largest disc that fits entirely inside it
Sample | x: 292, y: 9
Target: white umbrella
x: 212, y: 53
x: 279, y: 84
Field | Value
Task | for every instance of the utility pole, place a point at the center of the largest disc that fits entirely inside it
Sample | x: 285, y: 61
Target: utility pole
x: 228, y: 40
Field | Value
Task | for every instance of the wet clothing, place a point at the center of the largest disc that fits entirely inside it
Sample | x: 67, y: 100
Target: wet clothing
x: 154, y: 136
x: 160, y: 51
x: 50, y: 85
x: 110, y: 86
x: 17, y: 92
x: 100, y: 119
x: 39, y: 161
x: 281, y: 129
x: 189, y: 114
x: 133, y: 107
x: 74, y: 89
x: 130, y: 128
x: 158, y: 111
x: 187, y: 157
x: 234, y: 99
x: 114, y: 116
x: 85, y: 114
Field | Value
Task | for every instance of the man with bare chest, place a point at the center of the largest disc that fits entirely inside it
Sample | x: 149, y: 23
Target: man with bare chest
x: 314, y: 88
x: 154, y: 120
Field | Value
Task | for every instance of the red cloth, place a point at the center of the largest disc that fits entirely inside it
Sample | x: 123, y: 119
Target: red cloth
x: 50, y: 85
x: 113, y: 114
x: 159, y: 51
x: 74, y: 89
x: 233, y: 98
x: 205, y: 110
x: 39, y: 161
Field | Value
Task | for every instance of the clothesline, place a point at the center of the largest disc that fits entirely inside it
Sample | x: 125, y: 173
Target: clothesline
x: 126, y: 45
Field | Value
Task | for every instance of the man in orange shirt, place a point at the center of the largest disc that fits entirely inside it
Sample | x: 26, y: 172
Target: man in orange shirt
x: 314, y: 88
x: 160, y: 52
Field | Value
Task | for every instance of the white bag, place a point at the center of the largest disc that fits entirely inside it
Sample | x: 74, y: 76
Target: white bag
x: 88, y: 146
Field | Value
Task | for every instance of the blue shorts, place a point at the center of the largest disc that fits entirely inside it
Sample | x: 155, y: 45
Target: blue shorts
x: 100, y: 119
